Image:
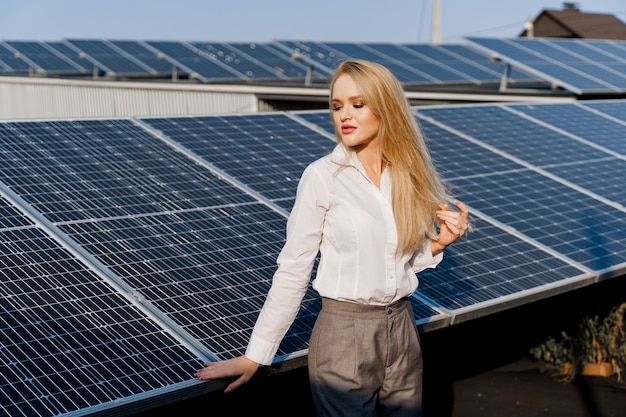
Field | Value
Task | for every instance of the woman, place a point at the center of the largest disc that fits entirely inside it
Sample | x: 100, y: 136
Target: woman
x: 377, y: 212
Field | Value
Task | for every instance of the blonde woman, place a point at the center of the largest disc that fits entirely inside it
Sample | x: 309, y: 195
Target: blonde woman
x: 376, y: 211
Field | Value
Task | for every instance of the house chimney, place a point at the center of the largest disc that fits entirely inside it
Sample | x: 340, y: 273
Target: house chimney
x: 570, y: 6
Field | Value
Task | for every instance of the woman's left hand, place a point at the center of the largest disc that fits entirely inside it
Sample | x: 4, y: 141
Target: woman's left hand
x: 453, y: 223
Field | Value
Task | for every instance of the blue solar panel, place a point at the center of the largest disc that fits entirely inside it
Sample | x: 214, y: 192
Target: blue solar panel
x: 243, y: 64
x: 46, y: 58
x: 569, y: 222
x: 70, y: 341
x: 565, y: 62
x: 581, y: 122
x: 519, y: 137
x: 254, y: 60
x: 317, y: 53
x: 491, y: 264
x: 192, y: 61
x: 404, y: 72
x: 158, y: 237
x: 612, y: 108
x: 186, y: 239
x: 144, y: 54
x: 320, y: 119
x: 11, y: 62
x: 267, y: 152
x: 412, y: 63
x: 108, y: 58
x: 433, y: 69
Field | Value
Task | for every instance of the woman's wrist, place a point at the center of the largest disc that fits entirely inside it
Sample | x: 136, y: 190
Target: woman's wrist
x: 436, y: 247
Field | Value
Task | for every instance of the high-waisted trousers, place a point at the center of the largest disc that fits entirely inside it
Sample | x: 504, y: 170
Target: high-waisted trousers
x: 365, y: 360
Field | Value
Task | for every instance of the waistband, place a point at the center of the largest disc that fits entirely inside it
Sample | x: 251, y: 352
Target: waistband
x: 346, y: 308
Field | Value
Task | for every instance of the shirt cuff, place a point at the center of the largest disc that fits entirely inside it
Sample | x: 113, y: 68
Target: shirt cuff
x: 261, y: 351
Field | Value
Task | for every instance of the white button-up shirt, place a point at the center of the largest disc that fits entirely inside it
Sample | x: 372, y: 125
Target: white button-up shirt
x: 340, y: 213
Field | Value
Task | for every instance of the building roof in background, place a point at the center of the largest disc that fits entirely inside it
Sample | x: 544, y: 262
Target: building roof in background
x: 572, y: 23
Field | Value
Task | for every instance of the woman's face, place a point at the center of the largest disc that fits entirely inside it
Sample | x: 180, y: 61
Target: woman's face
x: 357, y: 125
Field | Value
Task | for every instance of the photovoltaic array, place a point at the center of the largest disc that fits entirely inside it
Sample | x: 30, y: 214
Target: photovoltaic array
x: 134, y: 250
x: 583, y: 66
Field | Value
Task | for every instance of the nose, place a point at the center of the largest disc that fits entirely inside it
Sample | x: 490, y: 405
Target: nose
x: 345, y: 114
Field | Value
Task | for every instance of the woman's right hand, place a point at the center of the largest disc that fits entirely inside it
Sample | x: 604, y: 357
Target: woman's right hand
x: 241, y: 368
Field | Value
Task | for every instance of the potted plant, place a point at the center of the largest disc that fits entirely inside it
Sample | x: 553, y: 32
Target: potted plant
x: 599, y: 347
x: 557, y: 355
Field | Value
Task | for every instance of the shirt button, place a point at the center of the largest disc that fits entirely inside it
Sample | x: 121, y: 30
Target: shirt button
x: 389, y: 310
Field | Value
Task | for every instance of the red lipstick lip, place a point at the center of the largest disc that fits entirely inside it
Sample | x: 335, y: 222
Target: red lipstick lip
x: 347, y: 128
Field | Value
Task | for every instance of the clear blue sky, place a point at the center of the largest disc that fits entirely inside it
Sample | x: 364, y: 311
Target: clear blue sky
x: 404, y: 21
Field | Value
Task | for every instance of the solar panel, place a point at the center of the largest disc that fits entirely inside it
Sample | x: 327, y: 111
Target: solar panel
x: 404, y: 72
x: 71, y: 341
x: 468, y: 61
x: 569, y: 222
x: 555, y: 210
x: 10, y: 62
x: 188, y: 240
x: 254, y: 60
x: 267, y: 152
x: 147, y: 56
x: 175, y: 225
x: 519, y: 137
x: 435, y: 69
x: 568, y: 63
x: 45, y: 57
x: 108, y: 58
x: 321, y: 55
x: 411, y: 63
x: 190, y: 59
x: 614, y: 108
x: 490, y: 266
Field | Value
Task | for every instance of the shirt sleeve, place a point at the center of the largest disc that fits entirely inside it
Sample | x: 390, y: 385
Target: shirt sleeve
x: 295, y: 266
x: 424, y: 259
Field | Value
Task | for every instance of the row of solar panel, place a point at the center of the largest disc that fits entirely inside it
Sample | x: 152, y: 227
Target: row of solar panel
x: 224, y: 61
x: 134, y: 250
x: 580, y: 66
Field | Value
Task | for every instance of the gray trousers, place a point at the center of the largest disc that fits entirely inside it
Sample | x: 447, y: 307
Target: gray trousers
x: 365, y: 360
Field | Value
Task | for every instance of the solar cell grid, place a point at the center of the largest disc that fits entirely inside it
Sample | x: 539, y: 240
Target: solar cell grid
x: 109, y: 58
x: 433, y: 69
x: 515, y: 135
x: 280, y: 65
x: 614, y: 49
x: 474, y: 160
x: 7, y: 56
x: 489, y: 264
x: 148, y: 57
x: 191, y: 62
x: 403, y: 72
x: 317, y: 52
x: 69, y: 340
x: 612, y: 108
x: 231, y: 57
x: 320, y: 119
x: 557, y: 216
x: 562, y: 61
x: 84, y: 170
x: 192, y: 265
x: 44, y: 57
x: 201, y: 251
x: 268, y: 152
x: 578, y: 120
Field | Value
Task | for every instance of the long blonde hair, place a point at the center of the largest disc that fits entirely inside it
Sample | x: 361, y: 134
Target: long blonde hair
x: 418, y: 191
